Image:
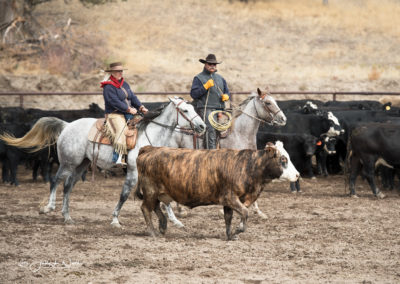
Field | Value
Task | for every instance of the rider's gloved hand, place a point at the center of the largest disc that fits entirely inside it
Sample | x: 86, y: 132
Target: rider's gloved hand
x: 224, y: 98
x: 208, y: 84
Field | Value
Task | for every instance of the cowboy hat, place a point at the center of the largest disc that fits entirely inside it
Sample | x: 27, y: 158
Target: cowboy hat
x: 116, y: 66
x: 210, y: 59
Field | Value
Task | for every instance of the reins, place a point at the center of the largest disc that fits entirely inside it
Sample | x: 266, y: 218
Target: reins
x: 188, y: 131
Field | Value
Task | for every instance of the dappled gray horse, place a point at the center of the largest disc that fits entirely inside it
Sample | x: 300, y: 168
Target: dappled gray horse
x: 76, y: 152
x: 257, y: 108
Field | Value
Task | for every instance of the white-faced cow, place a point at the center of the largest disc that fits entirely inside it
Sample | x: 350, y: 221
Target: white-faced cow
x: 232, y: 178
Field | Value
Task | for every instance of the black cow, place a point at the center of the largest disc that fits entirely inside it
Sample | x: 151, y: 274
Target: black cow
x: 369, y: 144
x: 350, y: 119
x: 355, y: 105
x: 313, y: 124
x: 12, y: 156
x: 326, y: 146
x: 297, y: 105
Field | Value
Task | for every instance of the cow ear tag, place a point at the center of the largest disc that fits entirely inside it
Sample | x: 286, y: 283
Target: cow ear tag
x: 387, y: 107
x: 319, y: 143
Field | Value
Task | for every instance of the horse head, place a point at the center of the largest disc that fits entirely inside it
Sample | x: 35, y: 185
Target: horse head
x: 187, y: 116
x: 267, y: 106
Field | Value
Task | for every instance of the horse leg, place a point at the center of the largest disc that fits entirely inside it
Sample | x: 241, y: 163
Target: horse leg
x: 172, y: 217
x: 130, y: 180
x: 70, y: 182
x: 61, y: 174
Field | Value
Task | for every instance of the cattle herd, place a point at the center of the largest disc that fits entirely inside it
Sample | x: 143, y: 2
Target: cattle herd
x: 349, y: 138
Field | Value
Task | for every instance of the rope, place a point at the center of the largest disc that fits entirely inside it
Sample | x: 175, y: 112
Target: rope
x: 220, y: 126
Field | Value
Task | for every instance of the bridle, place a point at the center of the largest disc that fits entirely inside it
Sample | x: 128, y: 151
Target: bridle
x: 266, y: 108
x: 176, y: 126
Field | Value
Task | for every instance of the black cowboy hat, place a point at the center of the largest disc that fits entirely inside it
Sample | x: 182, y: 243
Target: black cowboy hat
x: 210, y: 59
x: 116, y: 66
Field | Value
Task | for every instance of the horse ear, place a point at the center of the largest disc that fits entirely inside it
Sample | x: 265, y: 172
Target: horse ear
x: 259, y: 92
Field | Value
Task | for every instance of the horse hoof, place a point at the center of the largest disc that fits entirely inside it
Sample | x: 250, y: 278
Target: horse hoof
x: 293, y: 191
x: 233, y: 238
x: 178, y: 224
x: 262, y: 216
x: 380, y: 195
x: 353, y: 196
x: 116, y: 225
x: 153, y: 234
x: 68, y: 221
x: 45, y: 210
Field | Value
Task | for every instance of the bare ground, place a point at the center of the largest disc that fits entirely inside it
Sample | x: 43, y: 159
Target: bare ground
x: 319, y: 236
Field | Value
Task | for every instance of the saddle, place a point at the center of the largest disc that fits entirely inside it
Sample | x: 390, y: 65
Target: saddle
x: 97, y: 133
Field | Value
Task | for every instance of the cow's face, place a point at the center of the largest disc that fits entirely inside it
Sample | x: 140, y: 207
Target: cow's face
x: 310, y: 145
x: 330, y: 145
x: 289, y: 172
x: 334, y: 126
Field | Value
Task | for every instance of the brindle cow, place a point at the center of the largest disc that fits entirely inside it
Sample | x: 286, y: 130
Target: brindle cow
x: 232, y: 178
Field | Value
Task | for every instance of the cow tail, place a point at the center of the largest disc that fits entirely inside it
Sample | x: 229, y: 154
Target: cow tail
x: 44, y: 133
x: 138, y: 194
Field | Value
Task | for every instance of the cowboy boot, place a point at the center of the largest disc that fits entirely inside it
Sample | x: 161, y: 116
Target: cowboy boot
x: 119, y: 162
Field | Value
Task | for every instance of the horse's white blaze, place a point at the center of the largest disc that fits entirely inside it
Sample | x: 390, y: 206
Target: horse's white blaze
x: 289, y: 173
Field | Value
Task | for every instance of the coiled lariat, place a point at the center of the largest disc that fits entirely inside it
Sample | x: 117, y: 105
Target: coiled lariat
x: 220, y: 126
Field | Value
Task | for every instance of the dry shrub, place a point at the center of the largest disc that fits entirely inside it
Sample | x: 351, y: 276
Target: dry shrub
x: 375, y: 74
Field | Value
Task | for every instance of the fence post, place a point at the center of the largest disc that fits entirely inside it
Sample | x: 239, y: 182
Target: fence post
x: 334, y: 96
x: 21, y: 101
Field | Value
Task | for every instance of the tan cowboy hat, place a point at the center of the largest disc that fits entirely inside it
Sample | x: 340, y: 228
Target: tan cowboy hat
x: 116, y: 66
x: 210, y: 59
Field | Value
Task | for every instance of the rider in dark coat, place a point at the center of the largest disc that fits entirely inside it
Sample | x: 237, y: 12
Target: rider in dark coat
x: 210, y: 92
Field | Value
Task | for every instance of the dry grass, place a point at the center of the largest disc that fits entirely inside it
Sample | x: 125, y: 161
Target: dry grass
x: 289, y: 45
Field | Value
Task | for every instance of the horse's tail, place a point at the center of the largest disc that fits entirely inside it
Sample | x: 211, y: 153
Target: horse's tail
x: 44, y: 133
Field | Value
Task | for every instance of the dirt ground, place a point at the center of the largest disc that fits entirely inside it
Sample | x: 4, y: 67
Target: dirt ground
x: 320, y: 235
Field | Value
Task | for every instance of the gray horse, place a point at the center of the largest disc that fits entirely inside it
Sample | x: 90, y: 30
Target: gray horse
x: 76, y: 152
x: 257, y: 108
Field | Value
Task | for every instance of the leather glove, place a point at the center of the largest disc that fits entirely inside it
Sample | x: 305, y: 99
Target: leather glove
x: 209, y: 84
x: 224, y: 98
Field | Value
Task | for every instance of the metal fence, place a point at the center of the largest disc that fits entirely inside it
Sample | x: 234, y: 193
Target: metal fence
x: 333, y: 94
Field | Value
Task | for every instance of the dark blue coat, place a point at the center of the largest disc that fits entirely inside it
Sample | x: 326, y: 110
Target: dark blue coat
x: 114, y: 99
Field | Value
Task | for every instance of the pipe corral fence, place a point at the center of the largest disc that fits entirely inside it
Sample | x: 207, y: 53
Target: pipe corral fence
x: 322, y: 94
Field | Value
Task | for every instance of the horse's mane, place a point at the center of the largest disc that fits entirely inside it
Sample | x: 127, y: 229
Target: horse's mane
x: 150, y: 115
x: 238, y: 111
